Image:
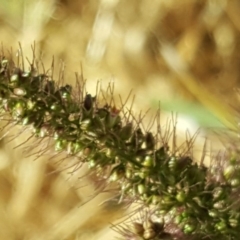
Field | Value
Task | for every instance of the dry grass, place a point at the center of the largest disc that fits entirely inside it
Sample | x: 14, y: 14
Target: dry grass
x: 184, y: 53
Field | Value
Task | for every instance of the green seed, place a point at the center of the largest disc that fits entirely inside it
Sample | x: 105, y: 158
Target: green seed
x: 221, y: 226
x: 143, y: 173
x: 128, y: 173
x: 229, y: 172
x: 181, y: 196
x: 25, y: 121
x: 77, y: 147
x: 156, y: 199
x: 56, y: 107
x: 148, y: 161
x: 19, y: 109
x: 185, y: 214
x: 92, y: 163
x: 85, y: 124
x: 116, y: 174
x: 213, y: 213
x: 189, y: 228
x: 178, y: 219
x: 141, y: 189
x: 30, y: 104
x: 233, y: 222
x: 167, y: 201
x: 60, y: 145
x: 14, y: 79
x: 218, y: 192
x: 172, y: 163
x: 235, y: 182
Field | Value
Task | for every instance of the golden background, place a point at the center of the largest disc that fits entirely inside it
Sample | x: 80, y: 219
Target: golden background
x: 184, y: 54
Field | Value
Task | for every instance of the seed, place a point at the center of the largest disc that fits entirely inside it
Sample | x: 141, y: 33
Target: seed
x: 117, y: 173
x: 126, y: 131
x: 172, y: 163
x: 148, y: 161
x: 213, y: 213
x: 19, y: 91
x: 188, y: 228
x: 60, y: 144
x: 219, y: 205
x: 178, y: 219
x: 228, y: 172
x: 181, y: 196
x: 92, y: 163
x: 56, y: 107
x: 141, y: 189
x: 221, y: 226
x: 19, y: 109
x: 235, y: 182
x: 149, y: 234
x: 30, y: 104
x: 14, y: 79
x: 25, y: 121
x: 233, y: 222
x: 143, y: 173
x: 85, y: 124
x: 128, y: 173
x: 156, y: 199
x: 218, y: 192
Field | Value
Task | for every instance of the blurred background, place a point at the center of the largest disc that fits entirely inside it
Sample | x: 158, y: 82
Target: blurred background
x: 183, y: 54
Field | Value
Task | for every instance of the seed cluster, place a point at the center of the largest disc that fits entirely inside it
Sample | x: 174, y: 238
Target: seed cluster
x: 147, y: 228
x: 198, y: 204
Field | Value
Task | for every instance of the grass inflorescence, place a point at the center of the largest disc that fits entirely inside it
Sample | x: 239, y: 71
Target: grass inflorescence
x: 186, y: 200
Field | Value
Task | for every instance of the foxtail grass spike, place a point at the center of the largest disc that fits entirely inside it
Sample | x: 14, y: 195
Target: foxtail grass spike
x: 191, y: 200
